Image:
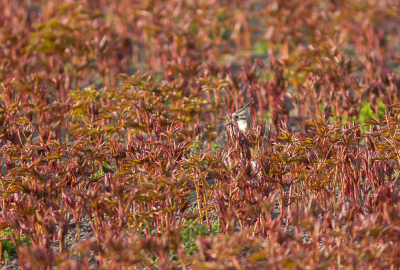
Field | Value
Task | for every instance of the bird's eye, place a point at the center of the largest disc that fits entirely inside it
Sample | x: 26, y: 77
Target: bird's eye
x: 236, y: 117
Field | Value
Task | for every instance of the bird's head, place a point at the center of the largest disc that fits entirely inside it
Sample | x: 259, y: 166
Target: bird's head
x: 241, y: 118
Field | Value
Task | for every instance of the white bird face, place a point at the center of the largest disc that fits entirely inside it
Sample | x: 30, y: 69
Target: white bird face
x: 241, y: 118
x: 243, y: 126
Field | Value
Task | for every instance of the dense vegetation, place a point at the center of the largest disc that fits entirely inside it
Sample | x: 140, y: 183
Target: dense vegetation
x: 114, y: 151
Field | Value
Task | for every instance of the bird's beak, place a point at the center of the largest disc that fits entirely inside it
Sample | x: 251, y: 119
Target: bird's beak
x: 229, y: 123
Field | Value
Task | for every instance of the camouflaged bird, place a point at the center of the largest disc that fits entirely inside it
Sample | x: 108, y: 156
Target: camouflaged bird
x: 242, y: 119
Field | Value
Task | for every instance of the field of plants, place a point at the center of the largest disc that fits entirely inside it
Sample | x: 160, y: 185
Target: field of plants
x: 115, y: 154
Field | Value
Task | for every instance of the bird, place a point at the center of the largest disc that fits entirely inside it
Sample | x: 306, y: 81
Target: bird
x: 242, y: 118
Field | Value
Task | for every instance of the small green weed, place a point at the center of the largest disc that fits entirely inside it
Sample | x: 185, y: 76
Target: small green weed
x: 366, y: 113
x: 8, y: 250
x: 191, y: 230
x: 261, y: 47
